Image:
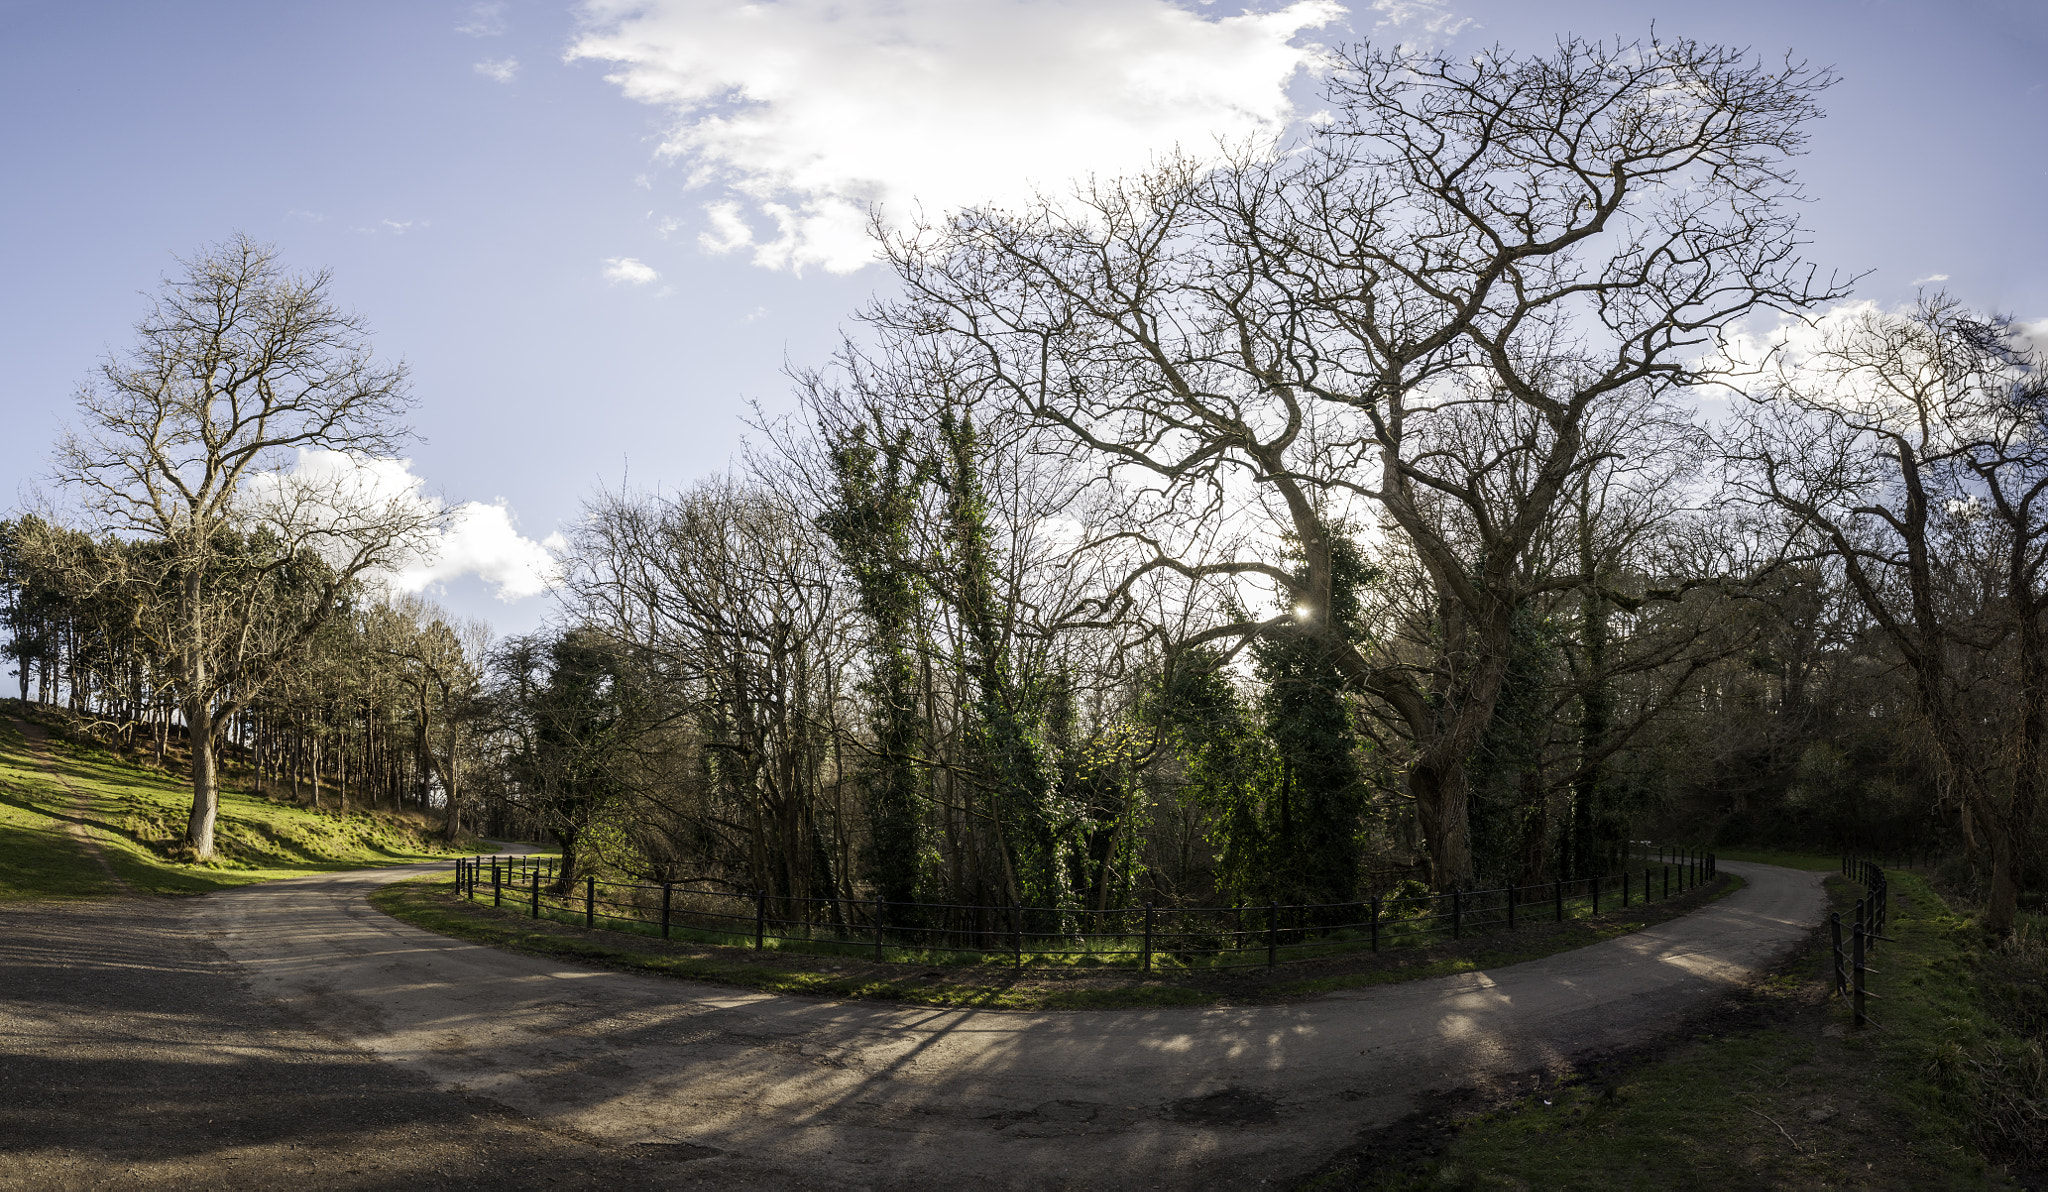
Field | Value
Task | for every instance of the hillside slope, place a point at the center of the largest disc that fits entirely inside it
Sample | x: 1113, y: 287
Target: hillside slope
x: 65, y: 798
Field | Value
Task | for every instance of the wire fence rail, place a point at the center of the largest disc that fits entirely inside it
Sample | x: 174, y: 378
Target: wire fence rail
x: 1867, y: 925
x: 1145, y: 938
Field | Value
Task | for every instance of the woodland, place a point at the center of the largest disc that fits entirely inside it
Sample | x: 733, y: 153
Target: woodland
x: 1450, y: 498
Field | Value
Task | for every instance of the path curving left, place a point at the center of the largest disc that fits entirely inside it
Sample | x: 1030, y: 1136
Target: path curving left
x: 754, y: 1089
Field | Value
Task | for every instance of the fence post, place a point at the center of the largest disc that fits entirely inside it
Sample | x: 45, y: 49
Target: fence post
x: 497, y: 884
x: 1856, y: 964
x: 590, y: 900
x: 1457, y: 915
x: 666, y: 887
x: 1147, y: 966
x: 1017, y: 928
x: 1511, y: 907
x: 1272, y: 934
x: 1625, y: 884
x: 1667, y: 881
x: 536, y: 893
x: 1842, y: 975
x: 1375, y: 922
x: 760, y: 918
x: 881, y: 910
x: 1596, y: 895
x: 1560, y: 900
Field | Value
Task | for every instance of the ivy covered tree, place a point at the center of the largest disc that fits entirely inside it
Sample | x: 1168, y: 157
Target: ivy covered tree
x: 875, y: 478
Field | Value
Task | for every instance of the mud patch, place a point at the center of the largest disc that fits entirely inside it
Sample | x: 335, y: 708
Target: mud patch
x: 1225, y: 1107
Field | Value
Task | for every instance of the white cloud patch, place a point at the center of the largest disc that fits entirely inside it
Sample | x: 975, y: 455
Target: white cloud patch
x: 478, y: 538
x: 807, y: 113
x: 1424, y: 23
x: 484, y: 541
x: 630, y: 271
x: 483, y: 20
x: 1921, y: 281
x: 498, y: 70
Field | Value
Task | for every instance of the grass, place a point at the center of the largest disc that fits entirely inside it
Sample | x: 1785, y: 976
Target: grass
x: 844, y: 971
x: 137, y: 816
x: 1778, y: 1092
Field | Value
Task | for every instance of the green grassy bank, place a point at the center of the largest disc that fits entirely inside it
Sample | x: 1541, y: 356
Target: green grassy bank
x: 1777, y: 1091
x: 136, y: 815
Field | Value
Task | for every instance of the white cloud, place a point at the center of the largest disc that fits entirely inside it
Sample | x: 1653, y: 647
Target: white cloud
x: 480, y: 539
x: 1921, y: 281
x: 1424, y: 23
x: 484, y: 20
x: 630, y: 271
x: 1749, y: 345
x: 500, y: 70
x: 806, y: 113
x: 485, y: 541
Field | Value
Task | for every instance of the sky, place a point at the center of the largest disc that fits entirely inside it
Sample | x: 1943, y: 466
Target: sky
x: 599, y: 233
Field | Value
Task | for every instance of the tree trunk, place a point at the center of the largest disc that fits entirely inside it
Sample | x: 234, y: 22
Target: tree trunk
x: 205, y: 780
x: 1442, y: 806
x: 451, y: 824
x: 198, y: 724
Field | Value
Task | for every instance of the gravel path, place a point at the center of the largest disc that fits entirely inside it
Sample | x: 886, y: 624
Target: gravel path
x: 133, y: 1055
x: 289, y: 1035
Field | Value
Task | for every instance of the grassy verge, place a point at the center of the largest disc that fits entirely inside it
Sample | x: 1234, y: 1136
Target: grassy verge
x: 431, y: 903
x: 1773, y: 1092
x: 137, y: 815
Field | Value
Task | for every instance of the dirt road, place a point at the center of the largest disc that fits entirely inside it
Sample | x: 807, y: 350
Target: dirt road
x: 732, y: 1087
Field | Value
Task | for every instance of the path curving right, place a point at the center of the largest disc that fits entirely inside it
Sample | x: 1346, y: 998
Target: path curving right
x: 751, y: 1089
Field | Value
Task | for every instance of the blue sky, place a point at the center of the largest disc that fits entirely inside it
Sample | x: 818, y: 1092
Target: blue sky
x: 592, y: 260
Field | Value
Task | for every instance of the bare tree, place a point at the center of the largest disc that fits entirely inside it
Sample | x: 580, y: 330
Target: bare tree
x: 1914, y: 447
x: 1286, y: 337
x: 438, y: 661
x: 189, y: 439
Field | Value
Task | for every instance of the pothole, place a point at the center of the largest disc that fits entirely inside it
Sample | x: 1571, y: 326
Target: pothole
x: 1225, y: 1107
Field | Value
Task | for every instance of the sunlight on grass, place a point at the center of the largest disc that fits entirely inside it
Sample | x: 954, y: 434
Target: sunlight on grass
x: 138, y: 815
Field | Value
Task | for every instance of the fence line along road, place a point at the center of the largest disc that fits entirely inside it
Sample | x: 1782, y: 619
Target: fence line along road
x: 1142, y: 937
x: 1866, y: 927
